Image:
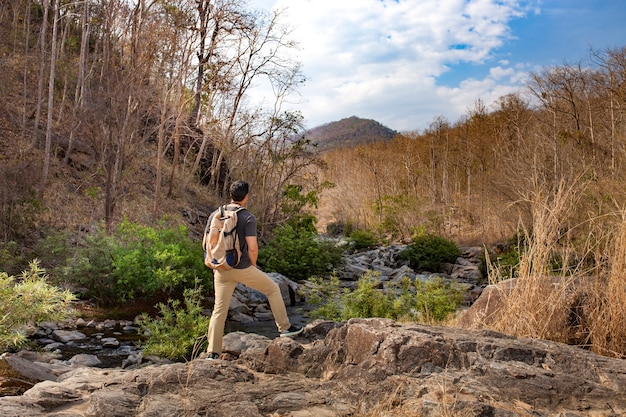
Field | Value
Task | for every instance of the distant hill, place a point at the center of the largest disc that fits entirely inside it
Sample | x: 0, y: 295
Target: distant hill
x: 349, y: 132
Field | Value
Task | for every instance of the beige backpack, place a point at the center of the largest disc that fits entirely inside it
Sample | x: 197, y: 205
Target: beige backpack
x: 221, y: 242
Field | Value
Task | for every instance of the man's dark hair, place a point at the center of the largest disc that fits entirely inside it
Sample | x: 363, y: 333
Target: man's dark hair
x: 238, y: 190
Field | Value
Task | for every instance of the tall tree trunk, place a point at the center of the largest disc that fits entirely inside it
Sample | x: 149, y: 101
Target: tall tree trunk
x: 42, y: 70
x: 175, y: 159
x: 53, y: 57
x: 160, y: 157
x: 25, y: 75
x: 80, y: 83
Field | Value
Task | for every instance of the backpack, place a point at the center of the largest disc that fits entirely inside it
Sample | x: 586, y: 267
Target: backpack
x: 221, y: 241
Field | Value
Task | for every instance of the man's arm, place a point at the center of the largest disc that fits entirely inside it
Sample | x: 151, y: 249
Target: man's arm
x: 253, y: 249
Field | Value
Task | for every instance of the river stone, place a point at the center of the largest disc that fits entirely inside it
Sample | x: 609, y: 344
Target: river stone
x: 109, y: 342
x: 65, y: 336
x: 83, y: 359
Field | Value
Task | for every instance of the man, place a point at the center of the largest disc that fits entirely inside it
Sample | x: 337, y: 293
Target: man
x: 247, y: 273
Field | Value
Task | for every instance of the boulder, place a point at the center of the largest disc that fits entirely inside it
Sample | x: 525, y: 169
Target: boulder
x: 362, y: 366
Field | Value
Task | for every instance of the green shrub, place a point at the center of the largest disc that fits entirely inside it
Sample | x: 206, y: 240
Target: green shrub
x: 325, y: 294
x: 180, y: 331
x: 436, y: 299
x: 299, y: 254
x: 431, y: 301
x: 26, y: 300
x: 149, y: 261
x: 362, y: 239
x: 135, y: 261
x: 429, y: 252
x: 367, y: 301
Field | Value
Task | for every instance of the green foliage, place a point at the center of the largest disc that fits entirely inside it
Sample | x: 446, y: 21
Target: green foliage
x: 28, y: 299
x: 299, y: 254
x: 11, y: 259
x: 362, y: 239
x: 368, y: 301
x: 293, y: 207
x: 428, y: 252
x: 180, y: 331
x: 148, y: 260
x: 325, y: 294
x: 436, y: 299
x: 431, y: 301
x: 133, y: 261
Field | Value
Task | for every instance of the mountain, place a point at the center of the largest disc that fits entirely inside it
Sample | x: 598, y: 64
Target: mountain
x: 351, y: 131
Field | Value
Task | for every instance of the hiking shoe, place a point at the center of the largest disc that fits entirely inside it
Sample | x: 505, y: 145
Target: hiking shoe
x: 293, y: 331
x: 212, y: 356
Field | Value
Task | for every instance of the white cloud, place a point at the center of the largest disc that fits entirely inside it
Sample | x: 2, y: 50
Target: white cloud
x: 380, y: 59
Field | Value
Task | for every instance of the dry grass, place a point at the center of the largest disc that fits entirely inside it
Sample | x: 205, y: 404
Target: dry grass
x: 537, y: 305
x: 577, y: 305
x: 606, y: 309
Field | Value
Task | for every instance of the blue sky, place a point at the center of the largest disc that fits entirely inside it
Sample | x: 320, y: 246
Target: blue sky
x: 406, y: 62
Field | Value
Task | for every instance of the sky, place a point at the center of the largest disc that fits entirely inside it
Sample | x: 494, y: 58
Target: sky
x: 404, y: 63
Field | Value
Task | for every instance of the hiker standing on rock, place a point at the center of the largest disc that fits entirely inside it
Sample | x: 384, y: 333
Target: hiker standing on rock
x: 244, y: 271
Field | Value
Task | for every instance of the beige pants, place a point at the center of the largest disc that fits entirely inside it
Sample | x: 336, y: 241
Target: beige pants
x: 225, y: 283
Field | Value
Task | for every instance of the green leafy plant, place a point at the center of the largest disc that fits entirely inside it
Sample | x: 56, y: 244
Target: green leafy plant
x: 299, y: 254
x: 367, y: 300
x: 436, y: 299
x: 149, y: 260
x: 29, y: 299
x: 430, y: 301
x: 179, y: 333
x: 134, y: 261
x: 428, y: 252
x: 362, y: 239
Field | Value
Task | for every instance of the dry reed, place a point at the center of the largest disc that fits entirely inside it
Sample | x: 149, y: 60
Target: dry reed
x: 606, y: 315
x: 536, y: 304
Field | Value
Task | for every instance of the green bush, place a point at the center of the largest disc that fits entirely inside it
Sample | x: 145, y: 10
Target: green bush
x: 180, y: 331
x: 135, y: 261
x: 429, y: 252
x: 28, y: 299
x: 431, y: 301
x: 436, y: 299
x: 299, y: 254
x: 362, y: 239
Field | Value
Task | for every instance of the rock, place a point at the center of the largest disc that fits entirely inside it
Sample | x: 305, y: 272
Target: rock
x: 264, y: 316
x: 65, y: 336
x: 109, y: 342
x: 52, y: 347
x: 242, y: 318
x: 29, y: 368
x: 238, y: 342
x: 251, y: 297
x: 83, y: 359
x: 362, y: 366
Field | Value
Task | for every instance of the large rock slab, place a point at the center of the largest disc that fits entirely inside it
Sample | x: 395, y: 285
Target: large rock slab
x: 342, y: 369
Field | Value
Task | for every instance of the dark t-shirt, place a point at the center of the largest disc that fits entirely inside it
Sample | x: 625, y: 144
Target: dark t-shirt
x: 246, y: 226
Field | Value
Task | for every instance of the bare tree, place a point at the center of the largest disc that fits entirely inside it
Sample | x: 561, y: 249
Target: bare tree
x: 53, y: 59
x: 42, y: 68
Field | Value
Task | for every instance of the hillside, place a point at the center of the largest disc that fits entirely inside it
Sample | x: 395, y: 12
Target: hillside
x: 349, y: 132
